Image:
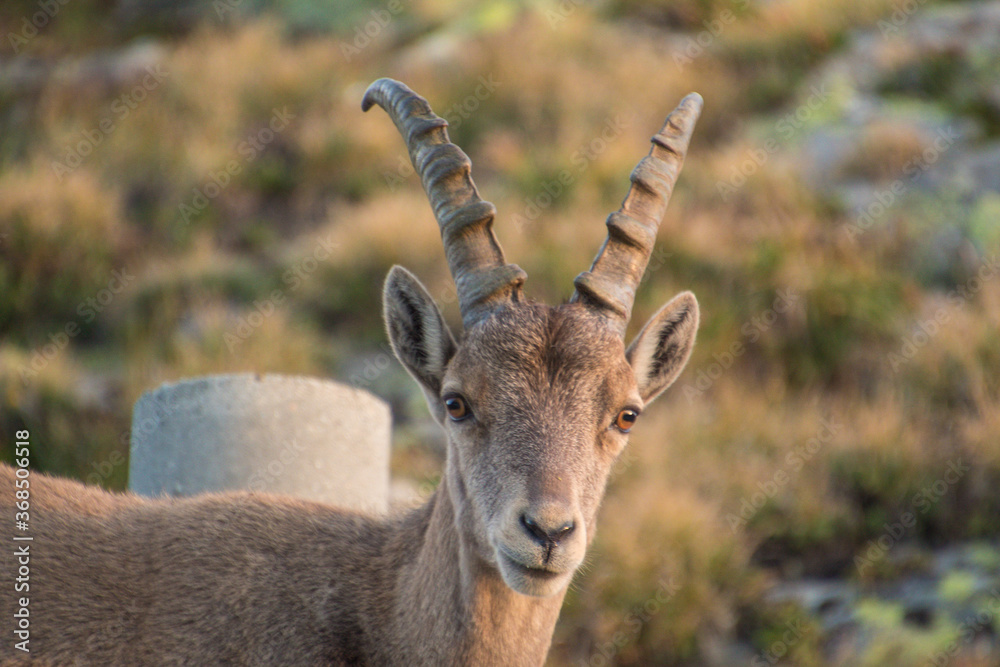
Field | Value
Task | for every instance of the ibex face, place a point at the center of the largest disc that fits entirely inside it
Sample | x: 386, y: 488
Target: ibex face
x: 536, y: 400
x: 550, y: 397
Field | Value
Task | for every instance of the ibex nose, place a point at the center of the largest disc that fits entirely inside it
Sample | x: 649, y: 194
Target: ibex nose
x: 546, y: 535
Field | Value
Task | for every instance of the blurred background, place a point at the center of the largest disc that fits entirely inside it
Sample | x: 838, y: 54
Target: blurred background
x: 189, y: 187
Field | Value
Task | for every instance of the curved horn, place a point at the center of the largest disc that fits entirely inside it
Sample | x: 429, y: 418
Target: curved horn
x: 611, y: 283
x: 477, y: 264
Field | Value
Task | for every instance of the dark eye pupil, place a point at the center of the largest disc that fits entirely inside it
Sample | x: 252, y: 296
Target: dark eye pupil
x: 455, y: 407
x: 626, y: 418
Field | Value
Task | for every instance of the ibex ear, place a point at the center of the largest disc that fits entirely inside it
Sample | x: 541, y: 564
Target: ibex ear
x: 660, y: 351
x: 419, y: 337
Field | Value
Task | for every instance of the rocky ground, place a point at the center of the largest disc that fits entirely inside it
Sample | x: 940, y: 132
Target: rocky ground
x: 884, y: 160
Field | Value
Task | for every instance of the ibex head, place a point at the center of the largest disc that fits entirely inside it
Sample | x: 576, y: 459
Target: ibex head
x: 537, y: 401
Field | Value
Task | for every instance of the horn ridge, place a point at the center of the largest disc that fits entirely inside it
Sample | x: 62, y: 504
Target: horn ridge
x: 610, y: 284
x: 483, y: 278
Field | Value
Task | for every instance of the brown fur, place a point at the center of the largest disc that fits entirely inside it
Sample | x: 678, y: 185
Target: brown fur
x: 253, y: 579
x: 475, y: 577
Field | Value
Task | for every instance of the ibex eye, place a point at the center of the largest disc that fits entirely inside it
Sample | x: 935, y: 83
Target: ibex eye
x: 625, y: 419
x: 457, y: 408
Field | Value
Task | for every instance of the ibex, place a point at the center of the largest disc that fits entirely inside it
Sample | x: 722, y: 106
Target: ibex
x: 536, y: 401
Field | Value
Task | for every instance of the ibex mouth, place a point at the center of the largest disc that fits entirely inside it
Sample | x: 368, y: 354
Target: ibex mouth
x: 539, y: 572
x: 531, y: 580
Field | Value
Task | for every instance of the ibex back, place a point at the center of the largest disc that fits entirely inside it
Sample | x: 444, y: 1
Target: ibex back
x: 536, y: 401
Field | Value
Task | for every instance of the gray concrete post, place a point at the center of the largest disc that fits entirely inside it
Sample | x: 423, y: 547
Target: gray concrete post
x: 300, y: 436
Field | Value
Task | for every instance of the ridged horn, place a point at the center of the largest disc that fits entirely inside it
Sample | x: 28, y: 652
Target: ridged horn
x: 483, y: 278
x: 611, y: 283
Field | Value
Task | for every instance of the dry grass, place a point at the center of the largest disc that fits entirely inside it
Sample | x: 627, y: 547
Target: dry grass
x: 332, y: 177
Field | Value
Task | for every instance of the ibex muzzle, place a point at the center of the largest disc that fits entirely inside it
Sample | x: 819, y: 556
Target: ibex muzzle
x: 536, y: 400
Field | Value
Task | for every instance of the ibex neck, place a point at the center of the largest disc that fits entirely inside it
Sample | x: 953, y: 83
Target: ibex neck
x: 456, y: 605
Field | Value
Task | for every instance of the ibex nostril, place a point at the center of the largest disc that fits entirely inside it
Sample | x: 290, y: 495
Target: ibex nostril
x: 543, y: 536
x: 534, y: 530
x: 564, y: 530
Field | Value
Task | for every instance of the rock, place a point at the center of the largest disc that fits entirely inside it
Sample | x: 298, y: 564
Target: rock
x: 957, y: 587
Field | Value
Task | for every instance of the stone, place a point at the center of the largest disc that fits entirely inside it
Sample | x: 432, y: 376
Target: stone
x: 306, y: 437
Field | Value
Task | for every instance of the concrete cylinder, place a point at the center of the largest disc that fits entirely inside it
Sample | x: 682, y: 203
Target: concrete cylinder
x: 305, y: 437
